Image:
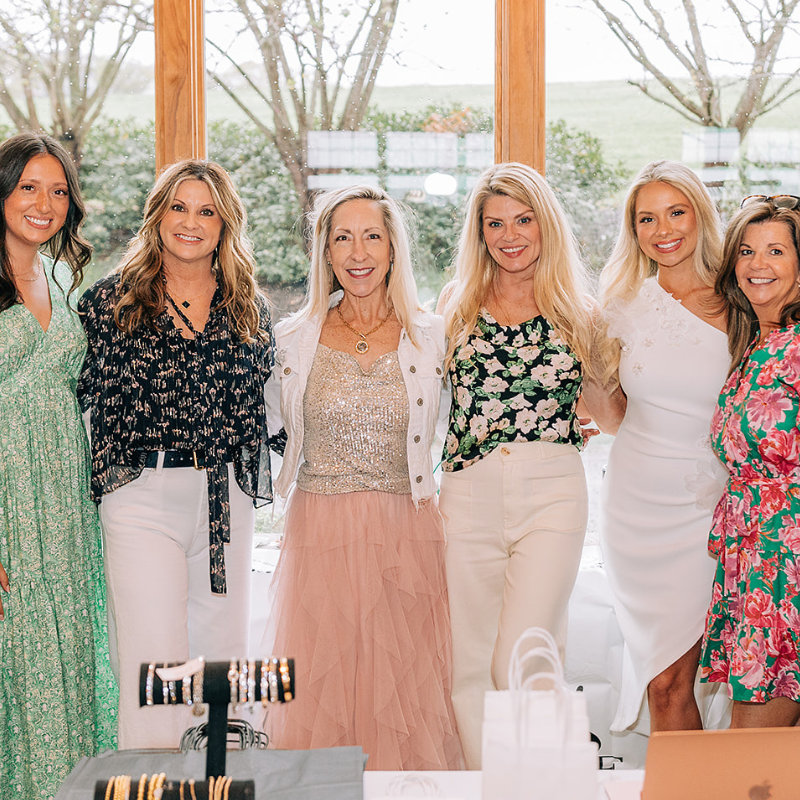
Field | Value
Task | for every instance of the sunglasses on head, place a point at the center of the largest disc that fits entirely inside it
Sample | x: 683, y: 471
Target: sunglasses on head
x: 788, y: 201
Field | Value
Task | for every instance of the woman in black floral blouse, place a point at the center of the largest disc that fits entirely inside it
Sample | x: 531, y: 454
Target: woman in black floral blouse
x: 180, y: 347
x: 513, y: 492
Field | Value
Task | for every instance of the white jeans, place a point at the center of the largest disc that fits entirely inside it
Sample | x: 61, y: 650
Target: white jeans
x: 515, y: 523
x: 161, y: 608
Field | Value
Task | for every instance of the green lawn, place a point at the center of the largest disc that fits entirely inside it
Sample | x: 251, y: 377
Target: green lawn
x: 633, y: 128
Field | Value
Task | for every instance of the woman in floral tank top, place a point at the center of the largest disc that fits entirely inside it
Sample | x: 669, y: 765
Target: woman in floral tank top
x: 513, y: 493
x: 753, y: 625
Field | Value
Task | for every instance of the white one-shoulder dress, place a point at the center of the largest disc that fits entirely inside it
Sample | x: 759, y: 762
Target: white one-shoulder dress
x: 661, y: 485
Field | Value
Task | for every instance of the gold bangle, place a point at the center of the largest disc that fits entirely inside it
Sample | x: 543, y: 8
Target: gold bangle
x: 286, y: 680
x: 181, y: 789
x: 197, y: 689
x: 233, y: 679
x: 191, y: 788
x: 142, y: 784
x: 109, y: 788
x: 156, y: 783
x: 122, y: 787
x: 227, y: 787
x: 211, y: 787
x: 273, y: 680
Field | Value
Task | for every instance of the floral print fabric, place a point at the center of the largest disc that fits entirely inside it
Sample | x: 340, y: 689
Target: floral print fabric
x: 58, y: 696
x: 753, y: 624
x: 515, y: 383
x: 156, y: 390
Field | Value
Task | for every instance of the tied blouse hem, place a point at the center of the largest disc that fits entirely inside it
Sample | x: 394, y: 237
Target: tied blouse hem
x: 156, y: 390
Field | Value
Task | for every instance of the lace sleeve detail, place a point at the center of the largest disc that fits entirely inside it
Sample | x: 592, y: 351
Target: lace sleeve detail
x: 619, y: 321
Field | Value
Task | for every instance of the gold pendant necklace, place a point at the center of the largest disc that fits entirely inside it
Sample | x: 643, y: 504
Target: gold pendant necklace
x: 362, y: 345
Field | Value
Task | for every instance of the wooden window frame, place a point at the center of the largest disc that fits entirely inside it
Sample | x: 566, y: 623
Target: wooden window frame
x: 519, y: 81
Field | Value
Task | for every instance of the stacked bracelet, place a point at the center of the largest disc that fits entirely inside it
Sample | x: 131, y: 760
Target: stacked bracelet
x: 148, y: 684
x: 286, y: 680
x: 233, y: 679
x: 273, y: 680
x: 197, y: 689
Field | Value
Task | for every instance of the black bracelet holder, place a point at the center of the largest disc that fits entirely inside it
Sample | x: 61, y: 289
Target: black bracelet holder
x: 217, y: 693
x: 171, y: 790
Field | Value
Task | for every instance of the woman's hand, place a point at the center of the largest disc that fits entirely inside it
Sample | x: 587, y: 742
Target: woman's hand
x: 604, y: 404
x: 5, y: 586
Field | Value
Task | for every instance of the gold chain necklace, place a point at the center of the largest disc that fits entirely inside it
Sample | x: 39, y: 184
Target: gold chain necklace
x: 501, y: 306
x: 37, y: 266
x: 362, y: 345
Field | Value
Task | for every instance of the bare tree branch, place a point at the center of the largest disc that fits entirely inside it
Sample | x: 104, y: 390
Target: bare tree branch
x: 321, y: 59
x: 642, y: 28
x: 50, y: 52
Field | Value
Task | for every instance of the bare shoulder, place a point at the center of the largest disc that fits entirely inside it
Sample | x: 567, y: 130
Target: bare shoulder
x: 706, y: 304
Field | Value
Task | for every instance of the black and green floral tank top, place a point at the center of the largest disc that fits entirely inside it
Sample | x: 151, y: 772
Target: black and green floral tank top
x: 515, y: 383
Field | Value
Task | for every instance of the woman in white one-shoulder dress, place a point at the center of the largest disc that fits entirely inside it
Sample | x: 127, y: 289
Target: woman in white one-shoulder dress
x: 667, y: 350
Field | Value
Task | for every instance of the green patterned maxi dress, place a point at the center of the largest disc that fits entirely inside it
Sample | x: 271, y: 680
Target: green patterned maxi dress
x: 57, y: 693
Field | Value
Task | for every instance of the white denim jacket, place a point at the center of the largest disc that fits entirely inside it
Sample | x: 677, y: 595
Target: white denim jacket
x: 422, y: 372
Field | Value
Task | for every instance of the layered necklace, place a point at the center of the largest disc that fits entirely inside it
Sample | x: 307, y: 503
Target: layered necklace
x: 36, y: 269
x: 184, y: 303
x: 362, y: 345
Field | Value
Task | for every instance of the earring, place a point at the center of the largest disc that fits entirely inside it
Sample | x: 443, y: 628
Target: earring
x: 329, y: 263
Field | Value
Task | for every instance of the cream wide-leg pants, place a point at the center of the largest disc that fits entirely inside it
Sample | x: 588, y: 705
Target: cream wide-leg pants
x: 161, y: 608
x: 514, y: 523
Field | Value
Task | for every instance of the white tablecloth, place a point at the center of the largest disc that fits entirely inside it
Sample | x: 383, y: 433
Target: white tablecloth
x: 467, y: 785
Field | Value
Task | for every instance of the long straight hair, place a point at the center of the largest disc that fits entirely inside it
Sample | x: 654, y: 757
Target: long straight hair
x: 560, y: 282
x: 628, y: 267
x: 401, y: 289
x: 67, y: 244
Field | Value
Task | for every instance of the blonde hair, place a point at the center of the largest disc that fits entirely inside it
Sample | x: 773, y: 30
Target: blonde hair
x: 560, y: 283
x: 141, y: 287
x: 628, y: 267
x: 742, y: 320
x: 401, y: 288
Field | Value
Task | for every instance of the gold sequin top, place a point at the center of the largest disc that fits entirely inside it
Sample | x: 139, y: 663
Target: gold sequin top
x: 356, y: 425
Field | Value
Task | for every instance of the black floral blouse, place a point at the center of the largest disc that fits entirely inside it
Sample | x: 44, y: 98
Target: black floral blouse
x: 515, y: 383
x: 159, y: 391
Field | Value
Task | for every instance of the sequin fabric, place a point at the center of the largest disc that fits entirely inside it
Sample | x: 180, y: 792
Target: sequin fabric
x: 356, y: 424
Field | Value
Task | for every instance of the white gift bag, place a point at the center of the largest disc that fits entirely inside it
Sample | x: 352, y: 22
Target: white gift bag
x: 536, y: 743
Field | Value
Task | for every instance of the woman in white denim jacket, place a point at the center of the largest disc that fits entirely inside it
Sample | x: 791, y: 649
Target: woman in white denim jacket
x: 359, y: 597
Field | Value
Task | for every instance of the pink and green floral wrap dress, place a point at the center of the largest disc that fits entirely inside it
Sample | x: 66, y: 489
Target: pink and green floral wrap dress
x: 753, y: 624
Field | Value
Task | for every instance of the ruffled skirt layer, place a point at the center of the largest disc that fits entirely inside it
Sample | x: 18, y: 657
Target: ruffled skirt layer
x: 359, y: 601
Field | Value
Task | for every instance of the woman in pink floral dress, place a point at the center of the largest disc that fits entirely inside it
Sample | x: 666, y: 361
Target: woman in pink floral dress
x: 753, y: 624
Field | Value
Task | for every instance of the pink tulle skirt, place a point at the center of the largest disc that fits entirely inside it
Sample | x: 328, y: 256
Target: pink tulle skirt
x: 360, y: 603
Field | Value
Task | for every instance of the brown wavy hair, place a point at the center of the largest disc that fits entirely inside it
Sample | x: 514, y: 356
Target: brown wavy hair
x: 142, y: 291
x: 67, y: 244
x: 742, y: 320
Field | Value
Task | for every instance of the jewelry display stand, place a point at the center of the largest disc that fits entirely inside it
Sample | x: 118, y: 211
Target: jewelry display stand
x: 240, y: 683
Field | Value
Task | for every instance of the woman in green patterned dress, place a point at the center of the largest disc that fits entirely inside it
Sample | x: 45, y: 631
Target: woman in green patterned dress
x: 57, y: 692
x: 752, y: 634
